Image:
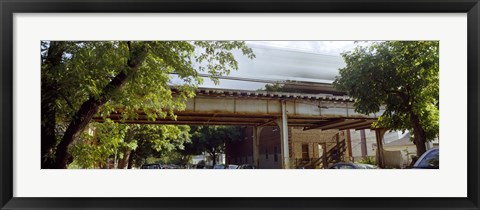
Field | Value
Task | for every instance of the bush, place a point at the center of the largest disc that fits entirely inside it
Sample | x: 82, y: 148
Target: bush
x: 368, y: 160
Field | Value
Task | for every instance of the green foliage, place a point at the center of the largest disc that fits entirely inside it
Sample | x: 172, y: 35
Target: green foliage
x: 403, y: 76
x: 86, y: 68
x: 289, y: 86
x: 175, y: 157
x: 114, y: 140
x: 156, y: 141
x: 99, y: 143
x: 216, y: 57
x: 212, y: 139
x: 368, y: 160
x: 275, y: 87
x: 151, y: 160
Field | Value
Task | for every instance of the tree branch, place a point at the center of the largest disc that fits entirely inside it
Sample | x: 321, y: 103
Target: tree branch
x: 90, y: 107
x: 66, y: 100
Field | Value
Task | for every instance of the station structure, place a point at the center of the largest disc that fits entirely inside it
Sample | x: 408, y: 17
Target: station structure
x: 263, y: 108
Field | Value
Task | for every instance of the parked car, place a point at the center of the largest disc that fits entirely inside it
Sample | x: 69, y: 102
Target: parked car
x: 151, y: 166
x: 246, y: 166
x: 197, y: 166
x: 429, y: 160
x: 231, y: 166
x: 346, y: 165
x: 171, y: 166
x: 221, y: 166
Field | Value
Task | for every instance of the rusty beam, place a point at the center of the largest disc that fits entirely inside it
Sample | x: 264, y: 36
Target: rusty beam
x: 364, y: 127
x: 340, y: 124
x: 224, y: 107
x: 325, y: 124
x: 183, y: 123
x: 361, y: 126
x: 205, y: 122
x: 360, y: 123
x: 267, y: 123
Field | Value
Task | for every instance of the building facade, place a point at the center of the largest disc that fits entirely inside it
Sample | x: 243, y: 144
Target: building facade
x: 313, y: 148
x: 307, y: 149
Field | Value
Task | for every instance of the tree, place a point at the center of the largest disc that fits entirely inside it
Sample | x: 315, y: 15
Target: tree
x: 84, y: 79
x: 400, y: 75
x: 103, y: 141
x: 158, y: 141
x: 211, y: 139
x: 115, y: 145
x: 274, y: 87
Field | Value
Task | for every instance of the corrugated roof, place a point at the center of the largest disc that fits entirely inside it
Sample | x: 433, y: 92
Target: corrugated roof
x: 268, y: 94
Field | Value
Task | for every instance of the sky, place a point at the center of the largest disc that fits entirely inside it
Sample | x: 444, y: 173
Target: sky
x: 320, y: 47
x: 311, y: 61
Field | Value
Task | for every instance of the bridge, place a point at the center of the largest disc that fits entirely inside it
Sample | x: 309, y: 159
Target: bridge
x: 261, y: 108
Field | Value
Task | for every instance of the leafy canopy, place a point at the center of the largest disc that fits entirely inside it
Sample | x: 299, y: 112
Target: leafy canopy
x: 212, y: 139
x: 86, y: 68
x: 115, y: 140
x: 403, y: 76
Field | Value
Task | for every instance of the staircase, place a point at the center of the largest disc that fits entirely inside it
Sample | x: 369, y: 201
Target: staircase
x: 333, y: 155
x: 308, y: 163
x: 337, y: 153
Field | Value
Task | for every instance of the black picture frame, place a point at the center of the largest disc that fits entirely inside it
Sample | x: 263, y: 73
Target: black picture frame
x: 9, y: 7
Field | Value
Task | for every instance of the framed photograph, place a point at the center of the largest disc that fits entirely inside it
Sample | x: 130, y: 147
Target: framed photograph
x: 92, y: 91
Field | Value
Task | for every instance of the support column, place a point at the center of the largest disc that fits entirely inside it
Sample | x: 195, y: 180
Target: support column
x: 283, y: 125
x: 363, y: 143
x: 256, y: 142
x: 379, y: 133
x: 349, y: 144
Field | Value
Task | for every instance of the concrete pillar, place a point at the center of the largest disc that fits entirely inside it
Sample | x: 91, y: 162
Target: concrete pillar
x: 349, y: 144
x: 363, y: 143
x: 256, y: 143
x: 283, y: 125
x: 379, y: 133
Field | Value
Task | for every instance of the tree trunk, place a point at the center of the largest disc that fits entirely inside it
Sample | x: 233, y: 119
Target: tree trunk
x: 126, y: 151
x: 49, y: 92
x: 90, y: 107
x: 419, y: 135
x: 214, y: 158
x: 115, y: 160
x: 130, y: 160
x: 48, y: 139
x: 124, y: 161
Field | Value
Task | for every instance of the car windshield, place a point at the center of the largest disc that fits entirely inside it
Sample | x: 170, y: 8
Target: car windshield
x: 431, y: 160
